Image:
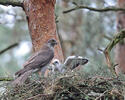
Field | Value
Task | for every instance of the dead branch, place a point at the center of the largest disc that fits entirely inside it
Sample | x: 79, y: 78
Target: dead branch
x: 41, y: 97
x: 106, y: 37
x: 9, y: 47
x: 106, y: 9
x: 14, y: 3
x: 102, y: 95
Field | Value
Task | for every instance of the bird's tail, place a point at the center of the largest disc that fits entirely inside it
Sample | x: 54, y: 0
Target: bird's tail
x: 21, y: 79
x: 20, y: 72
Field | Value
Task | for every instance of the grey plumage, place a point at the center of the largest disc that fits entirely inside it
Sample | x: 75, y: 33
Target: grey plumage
x: 70, y: 63
x: 40, y: 59
x: 56, y: 66
x: 75, y: 61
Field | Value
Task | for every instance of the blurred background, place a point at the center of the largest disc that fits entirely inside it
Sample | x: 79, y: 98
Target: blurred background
x: 82, y: 32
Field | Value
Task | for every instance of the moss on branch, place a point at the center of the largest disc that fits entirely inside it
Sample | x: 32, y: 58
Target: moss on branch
x: 116, y: 39
x: 6, y: 78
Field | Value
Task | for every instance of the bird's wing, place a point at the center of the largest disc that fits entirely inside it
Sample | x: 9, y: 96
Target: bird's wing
x: 69, y: 60
x: 38, y: 60
x: 42, y: 58
x: 31, y: 59
x: 74, y: 61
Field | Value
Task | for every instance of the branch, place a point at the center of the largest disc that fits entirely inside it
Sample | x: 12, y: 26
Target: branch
x: 117, y: 38
x: 9, y: 47
x: 12, y: 2
x: 42, y: 96
x: 107, y: 37
x: 106, y: 9
x: 6, y: 78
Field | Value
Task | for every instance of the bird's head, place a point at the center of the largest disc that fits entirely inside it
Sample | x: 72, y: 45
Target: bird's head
x: 52, y: 42
x: 57, y: 65
x: 56, y: 62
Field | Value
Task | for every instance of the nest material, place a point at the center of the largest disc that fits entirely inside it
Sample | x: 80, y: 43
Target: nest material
x: 67, y: 88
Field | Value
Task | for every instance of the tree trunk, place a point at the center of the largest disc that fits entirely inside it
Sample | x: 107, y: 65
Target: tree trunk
x: 120, y: 48
x: 41, y: 21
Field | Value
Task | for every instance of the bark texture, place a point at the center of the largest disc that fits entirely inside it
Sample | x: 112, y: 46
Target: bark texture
x: 120, y: 48
x: 41, y: 20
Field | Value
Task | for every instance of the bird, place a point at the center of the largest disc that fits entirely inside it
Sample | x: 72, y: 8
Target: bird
x: 70, y: 63
x: 39, y: 60
x: 74, y: 61
x: 56, y: 66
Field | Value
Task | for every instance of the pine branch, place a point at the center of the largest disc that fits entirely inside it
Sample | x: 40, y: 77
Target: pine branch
x: 12, y: 2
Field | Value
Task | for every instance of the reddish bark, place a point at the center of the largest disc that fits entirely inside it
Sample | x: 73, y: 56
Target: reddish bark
x: 120, y: 48
x: 41, y: 21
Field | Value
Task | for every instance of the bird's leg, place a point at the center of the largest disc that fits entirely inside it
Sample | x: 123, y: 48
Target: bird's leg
x: 46, y: 73
x: 40, y: 74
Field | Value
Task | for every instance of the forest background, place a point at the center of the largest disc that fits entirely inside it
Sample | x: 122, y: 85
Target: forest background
x: 82, y: 32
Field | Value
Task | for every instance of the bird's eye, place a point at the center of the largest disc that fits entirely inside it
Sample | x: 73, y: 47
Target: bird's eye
x: 56, y: 62
x: 53, y: 40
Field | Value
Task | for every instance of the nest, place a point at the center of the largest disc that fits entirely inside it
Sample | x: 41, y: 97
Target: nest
x: 67, y: 87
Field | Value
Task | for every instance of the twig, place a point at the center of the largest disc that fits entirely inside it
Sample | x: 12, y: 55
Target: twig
x: 100, y: 50
x: 107, y: 37
x: 12, y: 2
x: 9, y: 47
x: 106, y: 9
x: 40, y: 95
x: 98, y: 98
x: 103, y: 78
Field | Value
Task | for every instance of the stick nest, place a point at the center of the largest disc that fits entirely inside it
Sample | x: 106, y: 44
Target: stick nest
x: 67, y: 87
